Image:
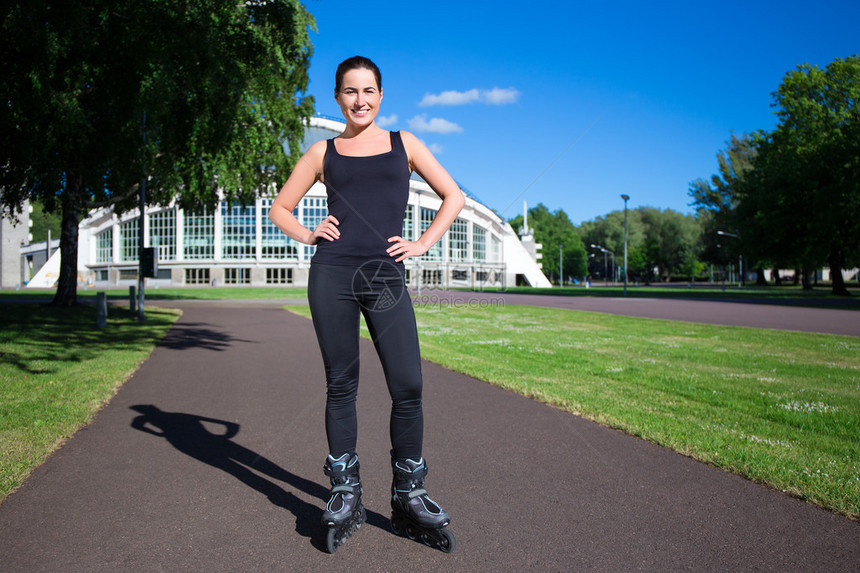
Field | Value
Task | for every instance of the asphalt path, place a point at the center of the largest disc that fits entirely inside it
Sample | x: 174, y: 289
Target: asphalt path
x: 210, y: 459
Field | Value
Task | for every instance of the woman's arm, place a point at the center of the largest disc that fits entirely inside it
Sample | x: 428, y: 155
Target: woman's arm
x: 421, y: 161
x: 306, y: 172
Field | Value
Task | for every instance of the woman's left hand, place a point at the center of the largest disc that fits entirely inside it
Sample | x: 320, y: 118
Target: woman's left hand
x: 403, y: 249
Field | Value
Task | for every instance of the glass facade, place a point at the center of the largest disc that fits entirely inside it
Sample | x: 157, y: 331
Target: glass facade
x: 104, y: 247
x: 458, y: 244
x: 128, y: 243
x: 479, y: 244
x: 495, y: 249
x: 435, y: 252
x: 408, y: 224
x: 275, y: 244
x: 162, y: 234
x: 199, y: 234
x: 196, y: 276
x: 238, y: 231
x: 314, y: 210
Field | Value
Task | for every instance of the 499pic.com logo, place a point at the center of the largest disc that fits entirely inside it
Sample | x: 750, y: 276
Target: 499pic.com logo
x: 378, y: 285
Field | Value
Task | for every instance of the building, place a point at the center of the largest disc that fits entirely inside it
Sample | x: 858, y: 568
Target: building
x: 237, y: 245
x: 13, y: 234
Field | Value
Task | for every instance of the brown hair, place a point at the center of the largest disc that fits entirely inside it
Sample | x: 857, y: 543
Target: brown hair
x: 354, y: 63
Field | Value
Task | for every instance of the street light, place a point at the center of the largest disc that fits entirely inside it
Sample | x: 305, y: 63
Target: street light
x: 605, y: 274
x: 560, y: 265
x: 740, y: 256
x: 626, y: 198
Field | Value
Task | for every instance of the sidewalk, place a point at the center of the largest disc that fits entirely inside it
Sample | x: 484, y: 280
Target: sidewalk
x: 210, y: 459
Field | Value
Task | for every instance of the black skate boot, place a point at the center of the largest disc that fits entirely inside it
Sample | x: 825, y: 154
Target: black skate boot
x: 343, y: 513
x: 413, y: 512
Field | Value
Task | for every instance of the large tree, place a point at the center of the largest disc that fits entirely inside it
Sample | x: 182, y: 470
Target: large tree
x: 802, y: 202
x: 191, y: 95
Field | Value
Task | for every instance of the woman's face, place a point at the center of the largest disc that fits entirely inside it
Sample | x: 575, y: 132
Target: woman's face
x: 359, y: 96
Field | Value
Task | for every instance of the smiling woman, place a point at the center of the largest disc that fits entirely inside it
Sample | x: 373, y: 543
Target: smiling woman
x: 358, y: 270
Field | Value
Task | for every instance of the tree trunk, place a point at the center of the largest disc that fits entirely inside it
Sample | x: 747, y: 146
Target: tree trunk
x: 839, y: 288
x: 777, y: 280
x: 806, y: 279
x: 759, y: 276
x: 67, y: 286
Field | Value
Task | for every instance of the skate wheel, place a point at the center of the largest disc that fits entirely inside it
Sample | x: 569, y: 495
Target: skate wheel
x: 411, y: 532
x: 447, y: 542
x: 396, y: 525
x: 331, y: 541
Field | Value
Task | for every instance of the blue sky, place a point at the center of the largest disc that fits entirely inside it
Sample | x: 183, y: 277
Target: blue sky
x: 571, y: 104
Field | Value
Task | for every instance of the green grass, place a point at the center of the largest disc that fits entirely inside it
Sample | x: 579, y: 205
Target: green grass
x: 780, y: 408
x: 57, y: 369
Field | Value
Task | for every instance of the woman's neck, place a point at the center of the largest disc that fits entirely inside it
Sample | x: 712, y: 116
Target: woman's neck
x: 361, y: 132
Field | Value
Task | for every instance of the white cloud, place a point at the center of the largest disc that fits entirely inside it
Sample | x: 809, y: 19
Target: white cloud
x: 435, y: 148
x: 499, y: 96
x: 420, y: 123
x: 495, y: 96
x: 450, y: 97
x: 386, y: 120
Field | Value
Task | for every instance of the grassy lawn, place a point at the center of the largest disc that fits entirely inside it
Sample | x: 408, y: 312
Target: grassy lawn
x: 780, y: 408
x: 57, y: 369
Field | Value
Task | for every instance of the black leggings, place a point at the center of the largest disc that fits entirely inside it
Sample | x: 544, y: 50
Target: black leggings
x: 376, y: 289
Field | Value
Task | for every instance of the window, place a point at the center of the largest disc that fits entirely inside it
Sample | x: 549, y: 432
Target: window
x: 199, y: 234
x: 238, y: 228
x: 435, y: 252
x: 458, y: 246
x: 430, y: 277
x: 460, y: 275
x: 479, y: 244
x: 128, y: 243
x: 104, y: 247
x: 127, y: 274
x: 407, y: 224
x: 314, y: 210
x: 495, y: 249
x: 279, y: 276
x: 237, y: 276
x: 197, y: 276
x: 481, y: 276
x: 275, y: 244
x: 162, y: 234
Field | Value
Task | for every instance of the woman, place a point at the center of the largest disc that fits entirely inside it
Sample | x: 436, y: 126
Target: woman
x: 358, y: 268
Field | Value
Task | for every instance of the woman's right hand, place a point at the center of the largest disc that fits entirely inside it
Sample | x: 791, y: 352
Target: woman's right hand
x: 327, y: 229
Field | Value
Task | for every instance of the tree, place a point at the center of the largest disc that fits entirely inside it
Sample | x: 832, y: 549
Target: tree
x: 716, y: 201
x: 803, y: 203
x: 552, y: 230
x: 191, y: 95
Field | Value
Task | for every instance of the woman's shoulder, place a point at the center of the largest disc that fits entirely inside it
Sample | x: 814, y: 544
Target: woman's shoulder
x: 315, y: 156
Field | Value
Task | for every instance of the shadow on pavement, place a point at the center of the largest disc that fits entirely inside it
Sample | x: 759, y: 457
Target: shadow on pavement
x: 189, y: 434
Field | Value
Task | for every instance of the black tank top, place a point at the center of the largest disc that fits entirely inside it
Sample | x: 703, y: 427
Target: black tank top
x: 368, y: 196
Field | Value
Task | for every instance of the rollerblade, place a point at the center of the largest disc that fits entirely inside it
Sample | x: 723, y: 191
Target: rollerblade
x: 414, y: 514
x: 343, y: 513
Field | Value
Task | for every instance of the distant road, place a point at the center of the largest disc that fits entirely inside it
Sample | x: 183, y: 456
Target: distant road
x: 729, y: 313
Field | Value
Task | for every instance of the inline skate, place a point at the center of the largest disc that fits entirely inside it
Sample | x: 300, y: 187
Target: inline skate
x: 343, y: 513
x: 414, y: 514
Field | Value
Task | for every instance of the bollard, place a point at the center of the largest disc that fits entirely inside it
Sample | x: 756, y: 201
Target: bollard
x: 132, y: 299
x: 101, y: 309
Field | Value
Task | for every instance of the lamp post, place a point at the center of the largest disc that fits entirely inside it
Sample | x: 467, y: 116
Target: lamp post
x: 626, y: 198
x: 560, y: 265
x: 740, y: 256
x: 605, y: 273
